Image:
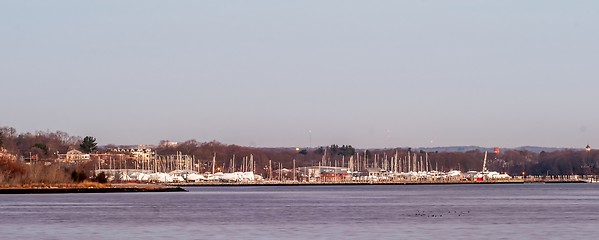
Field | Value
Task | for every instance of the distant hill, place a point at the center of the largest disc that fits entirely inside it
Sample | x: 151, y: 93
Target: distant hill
x: 454, y: 149
x: 539, y: 149
x: 534, y: 149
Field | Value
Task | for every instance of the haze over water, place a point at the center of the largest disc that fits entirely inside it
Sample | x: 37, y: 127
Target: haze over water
x: 531, y: 211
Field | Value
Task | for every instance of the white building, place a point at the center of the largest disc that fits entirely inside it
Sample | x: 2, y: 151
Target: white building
x: 139, y: 153
x: 73, y: 156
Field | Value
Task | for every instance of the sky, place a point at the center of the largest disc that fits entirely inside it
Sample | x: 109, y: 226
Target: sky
x: 372, y: 74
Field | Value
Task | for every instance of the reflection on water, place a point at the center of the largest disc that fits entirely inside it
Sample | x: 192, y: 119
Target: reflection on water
x: 550, y: 211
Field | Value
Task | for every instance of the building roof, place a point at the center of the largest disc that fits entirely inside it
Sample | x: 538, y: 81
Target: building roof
x: 74, y: 151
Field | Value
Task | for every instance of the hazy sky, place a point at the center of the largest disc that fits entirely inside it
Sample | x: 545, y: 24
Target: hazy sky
x: 277, y: 73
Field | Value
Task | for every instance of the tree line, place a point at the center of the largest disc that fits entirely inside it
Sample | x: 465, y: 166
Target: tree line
x: 46, y: 145
x: 37, y: 149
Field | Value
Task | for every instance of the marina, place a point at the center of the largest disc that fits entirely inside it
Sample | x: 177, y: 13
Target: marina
x: 184, y: 170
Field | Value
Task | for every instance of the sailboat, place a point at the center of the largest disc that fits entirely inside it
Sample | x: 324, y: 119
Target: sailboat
x: 486, y: 175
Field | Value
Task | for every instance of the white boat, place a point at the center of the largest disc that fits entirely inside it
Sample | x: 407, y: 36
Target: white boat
x: 486, y: 175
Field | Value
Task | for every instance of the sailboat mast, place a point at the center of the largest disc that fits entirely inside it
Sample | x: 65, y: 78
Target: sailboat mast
x: 485, y: 163
x: 213, y: 162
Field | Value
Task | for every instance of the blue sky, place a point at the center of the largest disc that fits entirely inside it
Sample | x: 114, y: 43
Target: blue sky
x: 274, y: 73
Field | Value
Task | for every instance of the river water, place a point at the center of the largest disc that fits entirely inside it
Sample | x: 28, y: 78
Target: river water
x: 529, y: 211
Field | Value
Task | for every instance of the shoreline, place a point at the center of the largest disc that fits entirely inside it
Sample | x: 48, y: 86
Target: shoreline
x: 179, y: 187
x: 224, y: 184
x: 116, y: 188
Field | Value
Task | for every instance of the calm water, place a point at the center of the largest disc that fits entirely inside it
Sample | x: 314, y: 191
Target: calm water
x: 534, y: 211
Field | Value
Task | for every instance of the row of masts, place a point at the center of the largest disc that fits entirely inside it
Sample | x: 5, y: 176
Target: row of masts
x: 247, y: 164
x: 165, y: 163
x: 412, y: 162
x: 176, y: 162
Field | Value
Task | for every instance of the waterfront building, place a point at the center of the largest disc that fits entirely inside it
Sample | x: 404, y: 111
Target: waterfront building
x: 73, y: 156
x: 168, y: 143
x: 141, y: 152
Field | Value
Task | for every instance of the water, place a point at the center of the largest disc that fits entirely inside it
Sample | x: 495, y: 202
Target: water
x: 541, y: 211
